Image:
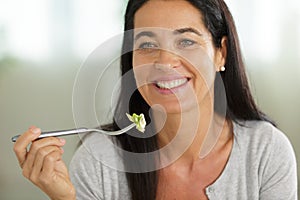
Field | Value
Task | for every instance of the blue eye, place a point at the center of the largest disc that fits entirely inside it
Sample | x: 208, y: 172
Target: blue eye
x: 186, y: 43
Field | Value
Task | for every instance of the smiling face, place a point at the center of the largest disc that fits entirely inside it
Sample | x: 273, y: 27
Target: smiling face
x: 174, y: 59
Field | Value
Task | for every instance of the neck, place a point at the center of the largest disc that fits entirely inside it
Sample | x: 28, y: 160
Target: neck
x: 188, y: 135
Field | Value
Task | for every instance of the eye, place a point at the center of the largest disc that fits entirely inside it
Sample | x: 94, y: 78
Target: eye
x: 184, y: 43
x: 147, y: 45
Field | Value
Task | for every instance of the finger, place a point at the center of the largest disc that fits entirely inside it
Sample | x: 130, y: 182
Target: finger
x: 39, y: 160
x: 49, y: 141
x: 35, y: 147
x: 20, y: 147
x: 61, y: 168
x: 48, y: 170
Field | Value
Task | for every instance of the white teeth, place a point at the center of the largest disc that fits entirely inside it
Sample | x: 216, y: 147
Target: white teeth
x: 171, y: 84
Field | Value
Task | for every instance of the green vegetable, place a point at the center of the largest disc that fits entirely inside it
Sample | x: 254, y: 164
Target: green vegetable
x: 139, y: 121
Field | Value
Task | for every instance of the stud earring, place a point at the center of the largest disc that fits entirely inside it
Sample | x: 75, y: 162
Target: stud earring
x: 222, y: 69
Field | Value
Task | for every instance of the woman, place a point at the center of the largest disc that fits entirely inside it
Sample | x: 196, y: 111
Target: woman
x: 177, y: 51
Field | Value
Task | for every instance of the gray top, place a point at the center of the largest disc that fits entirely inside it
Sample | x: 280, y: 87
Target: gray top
x: 261, y: 165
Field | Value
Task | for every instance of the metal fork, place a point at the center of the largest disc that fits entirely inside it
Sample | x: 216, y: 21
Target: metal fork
x: 78, y: 131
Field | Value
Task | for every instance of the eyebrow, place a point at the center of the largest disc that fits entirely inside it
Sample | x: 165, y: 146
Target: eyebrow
x: 185, y: 30
x: 144, y: 33
x: 175, y: 32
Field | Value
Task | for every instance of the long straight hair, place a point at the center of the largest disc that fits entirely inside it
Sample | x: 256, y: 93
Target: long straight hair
x: 240, y: 103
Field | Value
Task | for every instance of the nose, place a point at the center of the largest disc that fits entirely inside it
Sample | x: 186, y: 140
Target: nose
x: 167, y: 60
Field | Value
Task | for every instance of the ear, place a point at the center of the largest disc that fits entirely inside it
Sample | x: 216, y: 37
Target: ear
x: 221, y: 54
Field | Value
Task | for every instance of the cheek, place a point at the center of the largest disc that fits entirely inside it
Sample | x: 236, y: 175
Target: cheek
x: 141, y: 59
x: 137, y: 63
x: 135, y: 60
x: 142, y: 76
x: 143, y: 67
x: 200, y: 64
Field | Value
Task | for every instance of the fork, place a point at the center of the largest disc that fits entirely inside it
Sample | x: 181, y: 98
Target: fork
x: 78, y: 131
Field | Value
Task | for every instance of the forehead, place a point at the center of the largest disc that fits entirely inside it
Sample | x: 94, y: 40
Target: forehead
x: 169, y: 14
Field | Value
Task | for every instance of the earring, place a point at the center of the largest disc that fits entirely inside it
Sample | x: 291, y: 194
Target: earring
x: 222, y: 69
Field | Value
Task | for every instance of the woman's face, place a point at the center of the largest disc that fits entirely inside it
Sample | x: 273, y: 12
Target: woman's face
x: 174, y: 59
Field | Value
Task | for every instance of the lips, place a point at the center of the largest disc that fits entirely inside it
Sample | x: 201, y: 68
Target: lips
x: 171, y: 84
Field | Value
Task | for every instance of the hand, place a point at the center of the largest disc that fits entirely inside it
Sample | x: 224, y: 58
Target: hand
x: 43, y: 164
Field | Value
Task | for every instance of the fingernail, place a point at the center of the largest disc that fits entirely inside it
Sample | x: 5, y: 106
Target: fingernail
x: 35, y: 130
x: 62, y: 140
x: 62, y: 150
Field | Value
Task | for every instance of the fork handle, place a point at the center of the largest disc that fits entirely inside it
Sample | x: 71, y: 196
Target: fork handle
x: 57, y: 133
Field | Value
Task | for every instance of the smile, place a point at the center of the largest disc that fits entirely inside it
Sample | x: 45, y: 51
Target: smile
x: 170, y: 84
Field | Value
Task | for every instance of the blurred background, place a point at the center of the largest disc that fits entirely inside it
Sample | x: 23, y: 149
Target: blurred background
x: 44, y: 43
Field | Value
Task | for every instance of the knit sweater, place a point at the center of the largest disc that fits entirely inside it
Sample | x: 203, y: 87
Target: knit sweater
x: 261, y: 165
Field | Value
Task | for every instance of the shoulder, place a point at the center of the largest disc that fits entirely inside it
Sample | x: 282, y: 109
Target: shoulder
x: 100, y: 149
x: 267, y: 152
x: 94, y: 169
x: 261, y: 142
x: 259, y: 135
x: 85, y: 174
x: 92, y: 150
